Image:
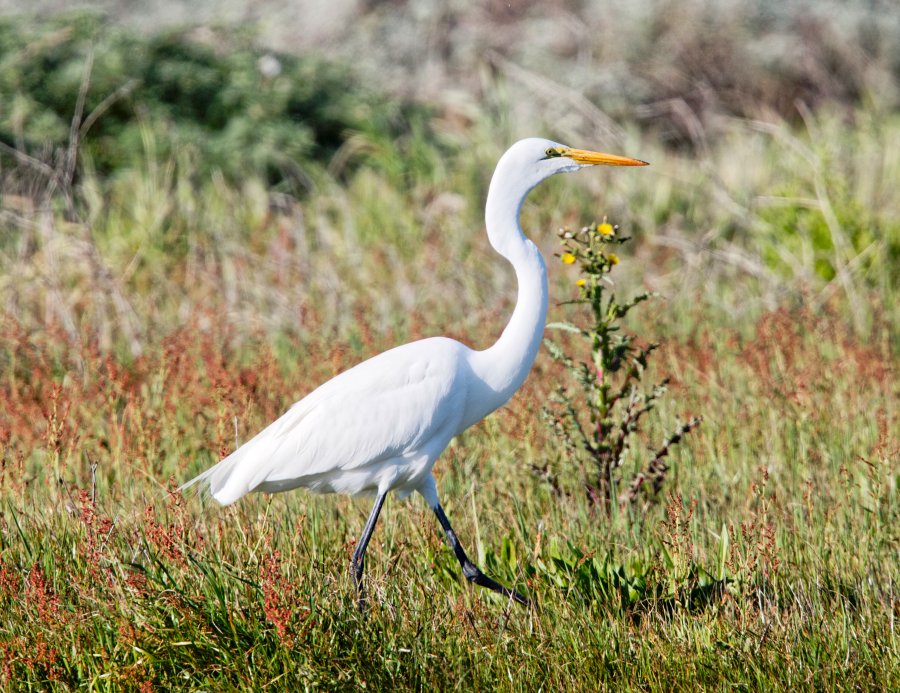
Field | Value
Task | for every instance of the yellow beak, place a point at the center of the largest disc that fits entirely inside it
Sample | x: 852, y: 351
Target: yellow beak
x: 583, y: 156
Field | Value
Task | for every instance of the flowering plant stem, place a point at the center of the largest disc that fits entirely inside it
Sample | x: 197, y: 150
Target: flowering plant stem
x: 598, y: 420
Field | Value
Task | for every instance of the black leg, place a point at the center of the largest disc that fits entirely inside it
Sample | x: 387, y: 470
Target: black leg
x: 470, y: 570
x: 359, y: 555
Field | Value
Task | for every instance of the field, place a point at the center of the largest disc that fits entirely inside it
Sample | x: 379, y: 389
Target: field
x: 198, y: 227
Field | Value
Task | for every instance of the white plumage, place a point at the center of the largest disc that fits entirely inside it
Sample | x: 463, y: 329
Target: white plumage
x: 381, y: 425
x: 346, y: 436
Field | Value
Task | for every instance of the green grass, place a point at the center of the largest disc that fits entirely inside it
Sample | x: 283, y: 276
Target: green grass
x: 151, y: 317
x: 769, y: 560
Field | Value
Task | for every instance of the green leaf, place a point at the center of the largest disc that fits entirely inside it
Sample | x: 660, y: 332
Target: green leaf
x: 566, y: 326
x: 723, y: 552
x: 667, y: 556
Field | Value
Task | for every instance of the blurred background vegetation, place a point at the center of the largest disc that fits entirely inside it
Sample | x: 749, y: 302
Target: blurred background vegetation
x: 206, y: 209
x: 768, y: 123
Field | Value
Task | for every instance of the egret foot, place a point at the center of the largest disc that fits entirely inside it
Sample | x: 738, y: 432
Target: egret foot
x: 469, y: 569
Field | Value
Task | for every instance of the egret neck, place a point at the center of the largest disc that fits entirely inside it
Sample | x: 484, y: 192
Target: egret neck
x: 504, y: 366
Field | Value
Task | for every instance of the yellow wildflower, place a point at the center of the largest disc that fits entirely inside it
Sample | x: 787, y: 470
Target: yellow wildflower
x: 567, y: 258
x: 581, y: 282
x: 605, y: 229
x: 613, y: 259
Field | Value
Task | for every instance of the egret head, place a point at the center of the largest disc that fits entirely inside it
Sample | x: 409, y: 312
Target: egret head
x: 562, y: 158
x: 532, y: 160
x: 522, y: 167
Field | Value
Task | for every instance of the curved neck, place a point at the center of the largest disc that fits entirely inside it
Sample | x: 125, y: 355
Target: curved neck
x: 504, y: 366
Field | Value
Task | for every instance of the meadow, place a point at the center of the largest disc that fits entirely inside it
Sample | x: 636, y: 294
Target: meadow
x: 176, y: 270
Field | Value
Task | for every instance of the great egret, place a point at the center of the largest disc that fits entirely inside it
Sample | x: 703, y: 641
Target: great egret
x: 381, y: 425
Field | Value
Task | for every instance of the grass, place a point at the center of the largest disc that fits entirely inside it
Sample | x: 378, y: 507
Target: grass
x: 770, y: 558
x: 153, y: 318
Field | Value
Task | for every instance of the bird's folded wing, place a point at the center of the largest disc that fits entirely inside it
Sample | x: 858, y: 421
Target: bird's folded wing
x: 383, y: 408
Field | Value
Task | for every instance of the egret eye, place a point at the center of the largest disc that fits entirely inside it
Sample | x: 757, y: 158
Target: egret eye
x: 552, y: 152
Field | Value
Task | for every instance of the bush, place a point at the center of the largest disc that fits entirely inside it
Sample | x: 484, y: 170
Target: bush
x: 242, y: 110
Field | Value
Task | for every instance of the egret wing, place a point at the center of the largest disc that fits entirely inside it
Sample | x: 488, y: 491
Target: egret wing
x: 387, y: 407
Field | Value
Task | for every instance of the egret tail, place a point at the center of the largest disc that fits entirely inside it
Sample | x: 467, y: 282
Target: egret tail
x: 219, y: 481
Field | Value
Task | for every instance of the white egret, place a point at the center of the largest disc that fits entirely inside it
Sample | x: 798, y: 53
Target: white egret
x: 381, y: 425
